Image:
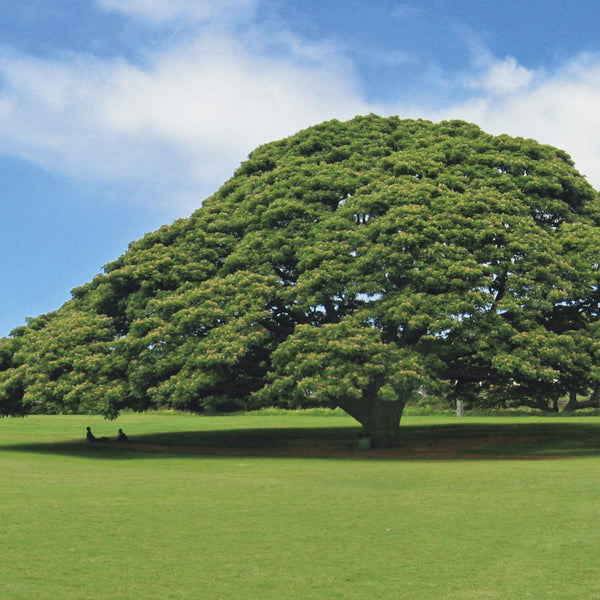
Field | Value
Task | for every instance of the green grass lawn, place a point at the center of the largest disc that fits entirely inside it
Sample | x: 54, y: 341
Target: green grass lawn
x: 272, y: 506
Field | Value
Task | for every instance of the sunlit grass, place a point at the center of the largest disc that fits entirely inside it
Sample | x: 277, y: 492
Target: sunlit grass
x: 162, y: 518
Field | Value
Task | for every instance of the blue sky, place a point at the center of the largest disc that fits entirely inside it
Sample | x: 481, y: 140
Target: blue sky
x: 118, y: 116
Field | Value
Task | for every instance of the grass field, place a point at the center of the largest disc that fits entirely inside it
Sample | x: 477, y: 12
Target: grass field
x: 272, y: 506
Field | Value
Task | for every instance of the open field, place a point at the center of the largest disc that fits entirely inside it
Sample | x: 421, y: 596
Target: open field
x: 285, y: 506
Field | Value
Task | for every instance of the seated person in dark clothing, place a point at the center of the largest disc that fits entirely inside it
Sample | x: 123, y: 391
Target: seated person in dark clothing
x: 121, y: 437
x: 92, y: 438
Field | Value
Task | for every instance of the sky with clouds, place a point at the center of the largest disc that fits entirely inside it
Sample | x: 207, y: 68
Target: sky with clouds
x: 118, y: 116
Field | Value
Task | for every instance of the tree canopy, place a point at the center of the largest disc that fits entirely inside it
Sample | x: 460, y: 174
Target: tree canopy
x: 354, y: 264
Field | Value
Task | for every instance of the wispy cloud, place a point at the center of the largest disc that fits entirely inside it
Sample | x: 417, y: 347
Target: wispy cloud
x: 162, y: 11
x: 558, y: 108
x: 503, y: 77
x: 408, y: 11
x: 179, y: 124
x: 175, y: 126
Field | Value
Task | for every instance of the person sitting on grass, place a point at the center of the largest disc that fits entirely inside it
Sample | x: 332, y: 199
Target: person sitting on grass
x: 92, y: 438
x: 121, y: 437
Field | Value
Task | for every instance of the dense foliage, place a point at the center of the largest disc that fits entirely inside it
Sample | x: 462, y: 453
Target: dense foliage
x: 353, y: 264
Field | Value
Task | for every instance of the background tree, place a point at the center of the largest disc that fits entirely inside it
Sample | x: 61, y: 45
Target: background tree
x: 353, y: 264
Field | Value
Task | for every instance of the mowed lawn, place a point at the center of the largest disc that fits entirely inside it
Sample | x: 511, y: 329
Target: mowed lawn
x: 286, y: 506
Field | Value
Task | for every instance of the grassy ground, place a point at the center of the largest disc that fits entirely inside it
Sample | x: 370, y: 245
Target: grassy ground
x: 285, y: 506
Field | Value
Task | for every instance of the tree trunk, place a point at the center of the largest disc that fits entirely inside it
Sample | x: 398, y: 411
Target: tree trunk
x: 380, y: 419
x: 573, y: 404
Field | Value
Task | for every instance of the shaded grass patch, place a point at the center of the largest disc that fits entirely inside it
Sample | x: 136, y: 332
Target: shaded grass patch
x: 289, y: 435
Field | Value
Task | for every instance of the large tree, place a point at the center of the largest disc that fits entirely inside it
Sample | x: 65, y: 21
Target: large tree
x: 353, y: 264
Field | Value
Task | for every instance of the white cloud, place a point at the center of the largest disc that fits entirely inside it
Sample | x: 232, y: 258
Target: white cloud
x: 178, y: 126
x: 213, y: 99
x: 504, y: 77
x: 559, y: 108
